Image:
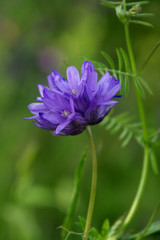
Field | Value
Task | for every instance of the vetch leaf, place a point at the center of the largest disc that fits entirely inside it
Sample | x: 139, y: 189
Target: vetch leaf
x: 137, y: 3
x: 141, y: 23
x: 145, y: 84
x: 127, y: 69
x: 105, y: 229
x: 94, y: 234
x: 123, y: 134
x: 111, y: 124
x: 154, y: 228
x: 110, y: 61
x: 126, y: 59
x: 81, y: 223
x: 135, y: 125
x: 144, y: 15
x: 114, y: 230
x: 121, y: 116
x: 78, y: 178
x: 139, y: 87
x: 126, y: 141
x: 110, y: 4
x: 120, y: 66
x: 116, y: 128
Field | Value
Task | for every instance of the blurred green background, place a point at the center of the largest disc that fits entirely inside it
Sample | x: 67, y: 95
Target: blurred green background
x: 37, y: 169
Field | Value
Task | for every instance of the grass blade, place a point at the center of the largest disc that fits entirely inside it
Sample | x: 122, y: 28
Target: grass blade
x: 78, y: 179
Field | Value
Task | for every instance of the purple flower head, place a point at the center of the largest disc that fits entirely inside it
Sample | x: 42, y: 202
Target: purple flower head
x: 68, y: 106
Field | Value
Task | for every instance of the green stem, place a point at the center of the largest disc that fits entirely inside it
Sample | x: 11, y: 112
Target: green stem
x: 144, y: 173
x: 140, y: 190
x: 93, y: 186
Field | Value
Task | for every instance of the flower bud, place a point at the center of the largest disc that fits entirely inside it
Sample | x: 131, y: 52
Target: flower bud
x: 121, y: 14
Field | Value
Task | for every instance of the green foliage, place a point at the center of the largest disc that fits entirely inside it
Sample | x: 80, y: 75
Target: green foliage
x: 122, y: 72
x: 112, y: 4
x: 131, y: 13
x: 115, y: 229
x: 153, y: 229
x: 122, y: 122
x: 105, y: 229
x: 110, y: 62
x: 128, y: 130
x: 153, y: 162
x: 141, y: 23
x: 78, y: 178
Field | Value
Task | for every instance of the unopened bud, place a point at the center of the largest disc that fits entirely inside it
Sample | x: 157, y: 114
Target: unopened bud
x: 121, y: 14
x: 134, y: 10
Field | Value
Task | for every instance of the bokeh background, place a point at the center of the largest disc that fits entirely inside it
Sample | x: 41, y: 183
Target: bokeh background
x: 37, y: 169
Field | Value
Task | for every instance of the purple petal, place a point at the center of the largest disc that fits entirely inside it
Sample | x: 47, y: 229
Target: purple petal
x: 91, y: 84
x: 73, y: 79
x: 113, y: 91
x: 41, y: 88
x: 87, y: 67
x: 37, y: 107
x: 64, y: 124
x: 53, y: 118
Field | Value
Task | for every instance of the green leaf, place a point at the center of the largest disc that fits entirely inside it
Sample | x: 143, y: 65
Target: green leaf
x: 144, y: 15
x: 110, y: 4
x: 141, y: 23
x: 153, y: 162
x: 99, y: 65
x: 81, y: 223
x: 105, y: 121
x: 154, y: 228
x: 78, y: 179
x: 127, y: 120
x: 114, y: 230
x: 137, y: 3
x: 120, y: 60
x: 126, y: 59
x: 105, y: 229
x: 110, y: 61
x: 114, y: 3
x: 145, y: 84
x: 126, y: 141
x: 139, y: 87
x: 127, y: 69
x: 135, y: 125
x: 123, y: 134
x: 116, y: 128
x: 111, y: 124
x: 120, y: 66
x: 94, y: 234
x: 121, y: 116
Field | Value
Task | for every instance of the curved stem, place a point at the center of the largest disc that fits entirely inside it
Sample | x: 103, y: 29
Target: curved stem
x: 140, y: 188
x: 143, y: 178
x: 93, y: 186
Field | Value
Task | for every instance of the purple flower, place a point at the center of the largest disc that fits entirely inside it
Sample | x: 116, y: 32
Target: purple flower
x: 68, y: 106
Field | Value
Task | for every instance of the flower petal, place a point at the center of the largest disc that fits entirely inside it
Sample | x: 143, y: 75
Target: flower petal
x: 37, y: 107
x: 64, y: 124
x: 74, y: 79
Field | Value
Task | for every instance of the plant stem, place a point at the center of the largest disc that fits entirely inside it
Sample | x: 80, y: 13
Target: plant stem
x: 144, y: 173
x: 93, y: 186
x: 140, y: 188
